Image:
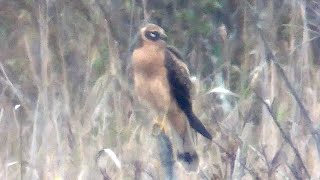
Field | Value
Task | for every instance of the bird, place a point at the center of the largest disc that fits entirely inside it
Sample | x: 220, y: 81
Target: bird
x: 162, y: 83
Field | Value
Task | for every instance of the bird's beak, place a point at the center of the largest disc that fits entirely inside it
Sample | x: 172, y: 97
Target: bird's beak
x: 163, y: 36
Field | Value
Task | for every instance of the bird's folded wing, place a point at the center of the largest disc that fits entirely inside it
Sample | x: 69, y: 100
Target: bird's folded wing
x: 180, y: 87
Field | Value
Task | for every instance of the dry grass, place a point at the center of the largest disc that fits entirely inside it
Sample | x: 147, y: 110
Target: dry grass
x: 65, y: 96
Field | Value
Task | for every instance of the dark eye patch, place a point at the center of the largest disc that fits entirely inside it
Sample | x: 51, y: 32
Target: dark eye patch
x: 152, y: 35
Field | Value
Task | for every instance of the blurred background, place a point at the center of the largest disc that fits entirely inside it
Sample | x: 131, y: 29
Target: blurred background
x: 66, y: 93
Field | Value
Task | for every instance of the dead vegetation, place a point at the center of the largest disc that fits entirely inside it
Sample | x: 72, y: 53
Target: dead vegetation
x: 67, y: 110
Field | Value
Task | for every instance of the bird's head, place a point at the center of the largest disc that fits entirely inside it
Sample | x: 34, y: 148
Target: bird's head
x: 153, y: 34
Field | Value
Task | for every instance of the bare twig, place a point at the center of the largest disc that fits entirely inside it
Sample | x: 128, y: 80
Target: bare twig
x: 232, y: 158
x: 284, y: 135
x: 271, y: 57
x: 32, y: 61
x: 20, y: 144
x: 145, y: 11
x: 315, y: 134
x: 44, y: 54
x: 112, y: 44
x: 24, y: 102
x: 102, y: 167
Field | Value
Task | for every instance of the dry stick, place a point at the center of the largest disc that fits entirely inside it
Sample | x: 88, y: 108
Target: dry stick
x: 20, y: 144
x: 114, y: 54
x: 32, y: 62
x: 131, y: 20
x: 113, y: 46
x: 145, y: 12
x: 26, y: 103
x: 284, y: 135
x: 102, y: 170
x: 232, y: 158
x: 271, y: 57
x: 44, y: 54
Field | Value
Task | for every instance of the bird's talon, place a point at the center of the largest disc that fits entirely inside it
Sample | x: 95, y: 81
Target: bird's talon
x: 163, y: 125
x: 156, y: 129
x: 159, y: 127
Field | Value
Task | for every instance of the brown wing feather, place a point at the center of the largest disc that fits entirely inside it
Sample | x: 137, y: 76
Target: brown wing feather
x: 180, y: 86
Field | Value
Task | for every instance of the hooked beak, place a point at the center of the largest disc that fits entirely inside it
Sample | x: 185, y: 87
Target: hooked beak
x: 163, y: 36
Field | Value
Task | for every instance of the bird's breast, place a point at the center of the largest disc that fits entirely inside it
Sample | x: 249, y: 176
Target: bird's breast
x: 150, y: 78
x: 153, y: 91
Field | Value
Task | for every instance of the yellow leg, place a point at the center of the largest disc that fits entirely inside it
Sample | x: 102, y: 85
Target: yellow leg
x: 159, y: 125
x: 163, y: 124
x: 156, y: 119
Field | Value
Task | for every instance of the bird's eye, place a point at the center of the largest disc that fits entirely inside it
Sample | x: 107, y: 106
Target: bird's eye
x: 152, y: 35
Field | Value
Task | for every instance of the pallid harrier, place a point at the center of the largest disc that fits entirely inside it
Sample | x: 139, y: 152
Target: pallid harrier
x: 162, y: 82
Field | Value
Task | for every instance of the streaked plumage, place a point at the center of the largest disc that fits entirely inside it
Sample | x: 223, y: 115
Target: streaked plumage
x: 162, y: 82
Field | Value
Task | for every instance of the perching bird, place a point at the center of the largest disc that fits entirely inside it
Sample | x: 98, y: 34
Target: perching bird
x: 162, y: 83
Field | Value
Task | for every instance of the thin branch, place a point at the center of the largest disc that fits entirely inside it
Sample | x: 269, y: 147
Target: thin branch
x: 284, y: 135
x: 272, y: 58
x: 44, y: 54
x: 24, y: 102
x: 232, y: 157
x: 262, y: 155
x: 145, y: 11
x: 20, y: 144
x: 112, y: 44
x: 302, y: 28
x: 303, y: 43
x: 32, y: 61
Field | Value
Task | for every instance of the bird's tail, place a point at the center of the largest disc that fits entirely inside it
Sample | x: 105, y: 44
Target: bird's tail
x: 186, y: 153
x: 189, y: 160
x: 197, y: 125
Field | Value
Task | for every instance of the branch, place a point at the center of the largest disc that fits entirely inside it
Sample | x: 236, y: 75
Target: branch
x: 271, y: 58
x: 284, y: 135
x: 112, y: 44
x: 232, y: 158
x: 24, y: 101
